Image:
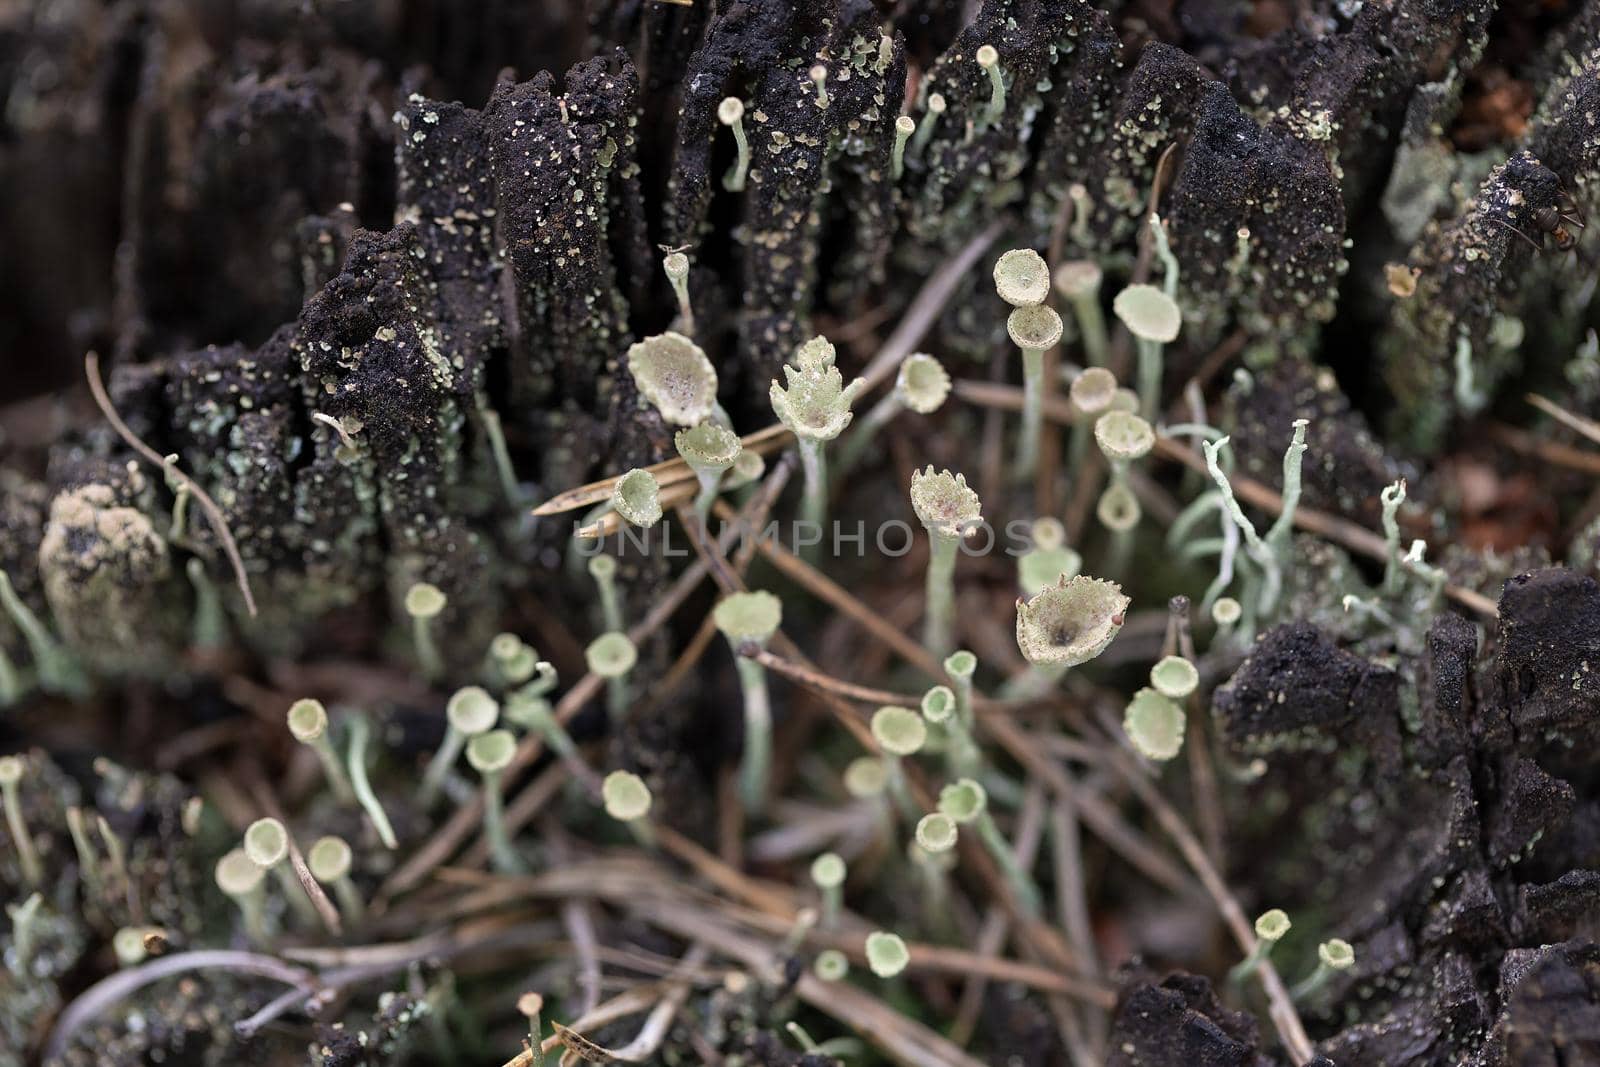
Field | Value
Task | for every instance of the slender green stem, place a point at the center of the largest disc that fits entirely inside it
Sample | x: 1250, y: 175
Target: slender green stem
x: 939, y: 613
x: 899, y: 791
x: 814, y: 462
x: 1312, y: 984
x: 644, y: 832
x: 24, y: 932
x: 617, y: 699
x: 1149, y: 379
x: 10, y: 684
x: 88, y: 863
x: 930, y: 119
x: 501, y: 454
x: 444, y: 758
x: 734, y: 180
x: 209, y: 630
x: 27, y: 854
x: 504, y: 857
x: 709, y: 480
x: 610, y: 601
x: 1240, y: 972
x: 997, y: 97
x: 359, y: 733
x: 295, y: 894
x: 57, y: 671
x: 832, y: 904
x: 866, y: 428
x: 1091, y: 327
x: 1032, y: 410
x: 962, y: 755
x: 757, y: 760
x: 1021, y: 884
x: 333, y: 770
x: 935, y: 896
x: 350, y: 901
x: 428, y: 659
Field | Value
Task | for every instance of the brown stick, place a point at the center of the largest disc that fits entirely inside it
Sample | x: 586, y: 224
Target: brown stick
x: 213, y: 514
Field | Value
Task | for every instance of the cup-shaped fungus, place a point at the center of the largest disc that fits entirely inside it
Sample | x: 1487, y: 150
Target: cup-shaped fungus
x: 1079, y: 281
x: 831, y: 965
x: 308, y: 722
x: 238, y: 876
x: 469, y: 712
x: 511, y: 659
x: 330, y: 860
x: 942, y: 707
x: 1021, y: 277
x: 904, y: 127
x: 887, y: 954
x: 423, y: 603
x: 709, y: 448
x: 930, y: 118
x: 627, y: 799
x: 266, y: 842
x: 922, y: 383
x: 1123, y: 438
x: 900, y: 732
x: 674, y: 374
x: 1033, y: 329
x: 949, y: 510
x: 490, y: 754
x: 1071, y: 622
x: 603, y: 569
x: 967, y: 804
x: 828, y: 873
x: 815, y: 406
x: 676, y: 267
x: 611, y: 656
x: 1092, y: 392
x: 1174, y: 677
x: 1154, y: 320
x: 731, y: 114
x: 746, y: 469
x: 1333, y: 956
x: 936, y: 832
x: 752, y: 618
x: 961, y: 665
x: 1270, y: 926
x: 636, y: 496
x: 1155, y: 724
x: 989, y: 59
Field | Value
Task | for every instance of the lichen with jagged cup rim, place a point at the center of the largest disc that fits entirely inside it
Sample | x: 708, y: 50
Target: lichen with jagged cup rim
x: 1071, y: 622
x: 674, y: 374
x: 949, y: 510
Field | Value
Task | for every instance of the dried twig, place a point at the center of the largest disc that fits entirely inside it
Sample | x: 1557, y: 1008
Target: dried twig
x: 213, y: 514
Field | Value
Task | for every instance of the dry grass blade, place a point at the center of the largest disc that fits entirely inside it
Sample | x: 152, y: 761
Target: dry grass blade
x: 1587, y: 427
x: 667, y: 473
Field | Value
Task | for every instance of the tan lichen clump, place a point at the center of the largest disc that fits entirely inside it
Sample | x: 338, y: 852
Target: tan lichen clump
x: 103, y: 565
x: 1071, y: 622
x: 675, y: 375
